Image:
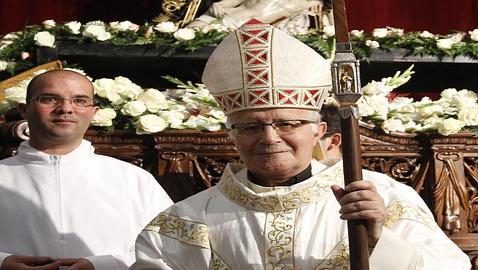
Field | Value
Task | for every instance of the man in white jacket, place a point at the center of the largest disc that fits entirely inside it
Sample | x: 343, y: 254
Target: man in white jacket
x: 60, y: 203
x: 281, y: 209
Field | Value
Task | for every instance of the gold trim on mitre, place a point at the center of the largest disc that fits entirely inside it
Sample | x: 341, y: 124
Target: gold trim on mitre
x: 258, y: 66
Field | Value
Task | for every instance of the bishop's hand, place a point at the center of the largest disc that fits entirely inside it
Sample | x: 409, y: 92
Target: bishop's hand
x: 360, y: 200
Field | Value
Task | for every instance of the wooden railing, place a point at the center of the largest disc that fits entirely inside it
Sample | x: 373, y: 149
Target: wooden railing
x: 443, y: 170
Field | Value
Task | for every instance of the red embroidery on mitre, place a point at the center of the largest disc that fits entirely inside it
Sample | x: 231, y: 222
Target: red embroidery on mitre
x: 312, y: 96
x: 288, y: 96
x: 259, y: 97
x: 235, y: 100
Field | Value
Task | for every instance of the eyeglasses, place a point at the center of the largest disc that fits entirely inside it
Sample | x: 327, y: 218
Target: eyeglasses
x: 281, y: 127
x: 54, y: 100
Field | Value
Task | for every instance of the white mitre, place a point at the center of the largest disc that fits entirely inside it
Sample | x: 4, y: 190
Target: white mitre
x: 258, y: 66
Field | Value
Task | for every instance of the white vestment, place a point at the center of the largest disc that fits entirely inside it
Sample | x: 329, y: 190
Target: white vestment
x: 75, y: 205
x: 239, y: 225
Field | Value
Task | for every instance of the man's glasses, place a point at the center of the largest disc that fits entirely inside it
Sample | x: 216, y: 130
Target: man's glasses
x: 281, y: 127
x: 54, y: 100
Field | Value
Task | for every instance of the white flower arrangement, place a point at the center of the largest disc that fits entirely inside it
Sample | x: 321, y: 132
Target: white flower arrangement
x: 125, y: 105
x: 13, y: 46
x: 455, y: 111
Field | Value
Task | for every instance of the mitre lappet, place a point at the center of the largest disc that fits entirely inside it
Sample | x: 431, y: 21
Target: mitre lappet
x: 258, y: 67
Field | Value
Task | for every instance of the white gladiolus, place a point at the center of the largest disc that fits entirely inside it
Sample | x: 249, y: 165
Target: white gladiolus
x: 48, y: 24
x: 166, y: 27
x: 372, y: 44
x: 376, y: 88
x: 150, y: 123
x: 185, y: 34
x: 74, y: 27
x: 45, y: 39
x: 380, y: 32
x: 450, y: 126
x: 474, y: 34
x: 393, y: 124
x: 104, y: 117
x: 134, y: 108
x: 469, y: 116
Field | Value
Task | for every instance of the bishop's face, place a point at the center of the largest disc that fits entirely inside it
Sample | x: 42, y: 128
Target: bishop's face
x: 275, y: 154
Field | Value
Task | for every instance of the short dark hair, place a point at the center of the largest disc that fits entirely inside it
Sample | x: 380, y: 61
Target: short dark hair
x: 330, y: 115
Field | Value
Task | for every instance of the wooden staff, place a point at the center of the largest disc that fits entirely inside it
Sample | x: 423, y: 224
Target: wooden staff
x: 346, y: 86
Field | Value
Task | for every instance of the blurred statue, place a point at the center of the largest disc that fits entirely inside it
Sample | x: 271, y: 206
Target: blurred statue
x: 288, y: 15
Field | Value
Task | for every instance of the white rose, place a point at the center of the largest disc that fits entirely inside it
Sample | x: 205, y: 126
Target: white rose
x: 45, y: 39
x: 185, y: 34
x: 96, y: 31
x: 104, y: 117
x: 106, y: 88
x: 329, y: 30
x: 154, y: 100
x: 126, y: 88
x: 173, y: 118
x: 150, y: 123
x: 357, y: 33
x: 16, y: 94
x: 166, y: 27
x: 474, y: 35
x: 380, y: 32
x: 395, y: 32
x: 445, y: 43
x: 49, y: 24
x: 134, y: 108
x: 124, y: 26
x: 450, y: 126
x: 372, y: 44
x: 426, y: 34
x: 74, y: 27
x: 3, y: 65
x: 430, y: 110
x: 393, y: 124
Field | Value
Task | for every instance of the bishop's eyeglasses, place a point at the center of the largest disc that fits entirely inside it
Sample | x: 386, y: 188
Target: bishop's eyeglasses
x: 281, y: 127
x: 54, y: 100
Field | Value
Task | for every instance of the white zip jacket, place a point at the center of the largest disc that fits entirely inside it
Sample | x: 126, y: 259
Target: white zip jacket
x: 75, y: 205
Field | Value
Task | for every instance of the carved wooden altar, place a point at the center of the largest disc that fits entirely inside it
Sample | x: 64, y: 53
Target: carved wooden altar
x: 443, y: 170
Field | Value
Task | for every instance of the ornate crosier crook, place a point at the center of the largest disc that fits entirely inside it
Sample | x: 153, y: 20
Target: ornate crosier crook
x: 346, y: 86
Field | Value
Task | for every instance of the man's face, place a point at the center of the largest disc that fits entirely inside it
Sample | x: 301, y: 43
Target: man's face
x: 270, y: 153
x: 64, y: 123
